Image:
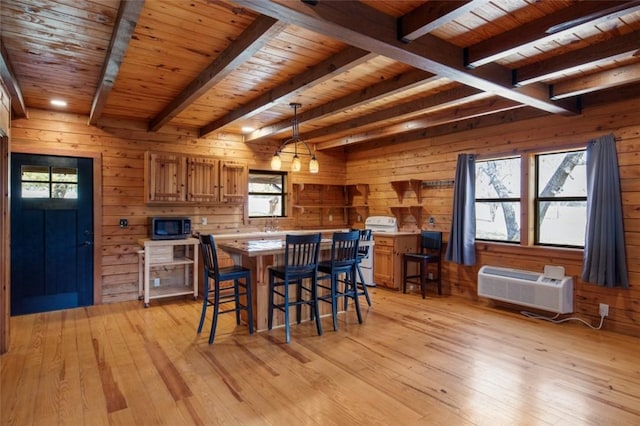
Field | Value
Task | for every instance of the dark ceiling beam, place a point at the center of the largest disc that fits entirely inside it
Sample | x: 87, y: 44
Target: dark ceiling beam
x: 390, y: 87
x: 11, y: 82
x: 254, y: 38
x: 429, y: 133
x: 377, y: 32
x: 609, y: 50
x: 431, y: 15
x: 463, y: 112
x: 328, y: 69
x: 124, y: 25
x: 403, y: 112
x: 598, y: 81
x: 568, y: 20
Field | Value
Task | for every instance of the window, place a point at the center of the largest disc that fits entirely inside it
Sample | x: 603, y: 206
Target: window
x: 555, y: 208
x: 561, y: 198
x: 46, y: 182
x: 267, y: 194
x: 498, y: 200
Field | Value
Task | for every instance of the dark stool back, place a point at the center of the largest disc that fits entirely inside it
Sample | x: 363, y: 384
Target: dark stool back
x: 343, y: 263
x: 216, y: 294
x: 430, y: 252
x: 300, y: 269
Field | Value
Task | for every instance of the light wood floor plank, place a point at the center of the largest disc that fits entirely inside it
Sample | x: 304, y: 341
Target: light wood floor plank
x: 440, y: 360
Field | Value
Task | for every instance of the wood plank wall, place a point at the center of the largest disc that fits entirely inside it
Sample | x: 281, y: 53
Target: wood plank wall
x: 435, y: 159
x: 122, y: 146
x: 5, y: 235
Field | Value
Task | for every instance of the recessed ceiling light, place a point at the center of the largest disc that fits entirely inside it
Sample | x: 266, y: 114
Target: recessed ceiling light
x: 58, y: 103
x: 247, y: 129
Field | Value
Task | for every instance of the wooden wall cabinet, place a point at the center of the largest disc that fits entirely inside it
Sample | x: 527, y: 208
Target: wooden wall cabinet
x: 234, y: 179
x: 387, y: 258
x: 165, y: 177
x: 177, y: 178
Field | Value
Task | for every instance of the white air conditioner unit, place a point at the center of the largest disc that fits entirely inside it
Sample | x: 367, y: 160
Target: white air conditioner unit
x: 533, y: 289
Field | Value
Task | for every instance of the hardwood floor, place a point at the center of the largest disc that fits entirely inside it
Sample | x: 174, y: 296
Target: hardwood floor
x: 413, y: 361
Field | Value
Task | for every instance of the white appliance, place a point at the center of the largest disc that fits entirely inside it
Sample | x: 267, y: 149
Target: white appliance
x: 376, y: 224
x: 551, y: 291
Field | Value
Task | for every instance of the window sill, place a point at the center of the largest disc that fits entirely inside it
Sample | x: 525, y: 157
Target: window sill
x: 553, y: 252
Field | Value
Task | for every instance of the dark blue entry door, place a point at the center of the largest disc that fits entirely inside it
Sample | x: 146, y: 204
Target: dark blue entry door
x: 51, y: 233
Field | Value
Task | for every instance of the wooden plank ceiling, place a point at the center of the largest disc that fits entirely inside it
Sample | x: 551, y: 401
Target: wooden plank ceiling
x: 363, y: 71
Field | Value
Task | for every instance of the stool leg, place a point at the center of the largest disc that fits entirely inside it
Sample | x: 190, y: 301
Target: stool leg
x: 355, y: 294
x: 423, y: 278
x: 439, y: 277
x: 315, y: 307
x: 298, y: 300
x: 271, y: 289
x: 216, y: 307
x: 404, y: 274
x: 286, y: 312
x: 364, y: 285
x: 247, y: 281
x: 236, y: 291
x: 334, y: 301
x: 205, y: 301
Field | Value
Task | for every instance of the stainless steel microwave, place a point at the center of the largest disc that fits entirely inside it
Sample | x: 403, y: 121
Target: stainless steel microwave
x: 169, y: 228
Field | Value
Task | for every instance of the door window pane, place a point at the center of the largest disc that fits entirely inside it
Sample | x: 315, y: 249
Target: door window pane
x: 49, y: 182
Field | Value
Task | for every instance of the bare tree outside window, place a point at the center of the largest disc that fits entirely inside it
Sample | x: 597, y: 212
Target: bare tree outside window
x: 498, y: 200
x: 560, y: 199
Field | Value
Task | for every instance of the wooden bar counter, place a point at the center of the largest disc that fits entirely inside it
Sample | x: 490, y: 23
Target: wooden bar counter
x: 258, y: 254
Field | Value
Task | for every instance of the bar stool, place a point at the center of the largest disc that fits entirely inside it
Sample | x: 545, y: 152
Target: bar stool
x: 217, y: 294
x: 430, y: 248
x: 300, y: 269
x: 343, y: 263
x: 363, y: 252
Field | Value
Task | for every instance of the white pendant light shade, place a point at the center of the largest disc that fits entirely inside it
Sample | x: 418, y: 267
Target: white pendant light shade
x: 314, y: 166
x: 276, y: 163
x: 296, y: 164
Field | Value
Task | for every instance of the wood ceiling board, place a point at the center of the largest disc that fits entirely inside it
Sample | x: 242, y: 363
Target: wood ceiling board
x: 175, y: 42
x: 413, y: 95
x: 81, y: 13
x: 378, y: 34
x: 394, y: 8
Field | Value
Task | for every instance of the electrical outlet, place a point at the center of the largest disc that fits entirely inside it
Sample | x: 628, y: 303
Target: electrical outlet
x: 156, y: 282
x: 430, y: 275
x: 604, y: 310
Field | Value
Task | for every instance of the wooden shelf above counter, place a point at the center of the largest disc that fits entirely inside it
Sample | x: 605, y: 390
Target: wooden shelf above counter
x: 317, y: 202
x: 400, y: 211
x: 402, y: 186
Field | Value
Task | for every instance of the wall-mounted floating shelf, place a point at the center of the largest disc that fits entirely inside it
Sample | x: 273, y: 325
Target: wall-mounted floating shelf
x: 402, y: 186
x: 400, y: 211
x: 325, y: 201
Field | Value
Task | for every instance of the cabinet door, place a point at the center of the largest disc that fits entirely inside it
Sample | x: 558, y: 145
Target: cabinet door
x: 234, y: 178
x: 203, y: 181
x: 383, y: 262
x: 165, y: 177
